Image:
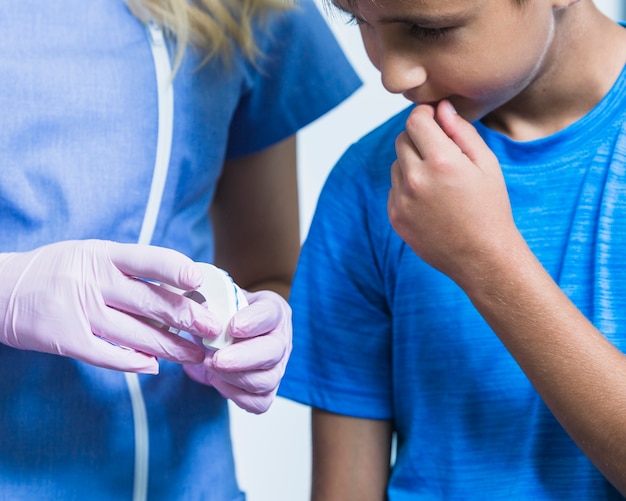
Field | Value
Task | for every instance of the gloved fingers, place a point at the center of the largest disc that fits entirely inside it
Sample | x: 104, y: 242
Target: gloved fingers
x: 197, y: 372
x: 56, y: 299
x: 265, y: 312
x: 78, y: 341
x: 259, y: 382
x: 259, y: 353
x: 256, y: 403
x: 156, y: 263
x: 253, y: 392
x: 130, y: 332
x: 106, y: 355
x: 148, y: 300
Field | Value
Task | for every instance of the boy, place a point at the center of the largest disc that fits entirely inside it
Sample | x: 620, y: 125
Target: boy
x: 472, y: 302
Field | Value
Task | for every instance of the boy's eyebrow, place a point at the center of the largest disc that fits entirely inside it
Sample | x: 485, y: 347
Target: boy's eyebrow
x: 422, y: 20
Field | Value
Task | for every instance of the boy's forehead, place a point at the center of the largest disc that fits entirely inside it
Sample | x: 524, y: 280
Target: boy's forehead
x: 427, y: 6
x: 355, y: 5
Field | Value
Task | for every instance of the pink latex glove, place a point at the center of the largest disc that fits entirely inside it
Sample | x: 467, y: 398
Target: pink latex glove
x: 249, y: 371
x: 82, y: 299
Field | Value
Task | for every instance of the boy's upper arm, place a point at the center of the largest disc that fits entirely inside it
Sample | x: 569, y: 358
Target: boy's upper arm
x: 341, y: 353
x: 351, y: 457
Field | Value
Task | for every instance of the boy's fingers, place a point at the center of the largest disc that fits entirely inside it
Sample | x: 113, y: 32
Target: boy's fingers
x: 425, y: 134
x: 462, y: 133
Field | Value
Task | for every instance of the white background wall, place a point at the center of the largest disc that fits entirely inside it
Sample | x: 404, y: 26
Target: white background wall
x: 273, y: 450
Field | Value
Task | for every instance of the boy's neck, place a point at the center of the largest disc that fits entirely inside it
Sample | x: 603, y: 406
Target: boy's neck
x: 587, y: 57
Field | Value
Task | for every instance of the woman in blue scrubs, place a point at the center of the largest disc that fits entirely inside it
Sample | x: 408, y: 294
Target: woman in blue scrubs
x: 115, y: 178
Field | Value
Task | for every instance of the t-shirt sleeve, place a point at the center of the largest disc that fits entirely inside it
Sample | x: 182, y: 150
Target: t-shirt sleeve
x: 341, y: 360
x: 301, y: 74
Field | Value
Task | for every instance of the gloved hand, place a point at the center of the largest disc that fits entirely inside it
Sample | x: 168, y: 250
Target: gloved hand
x: 249, y: 371
x: 82, y: 299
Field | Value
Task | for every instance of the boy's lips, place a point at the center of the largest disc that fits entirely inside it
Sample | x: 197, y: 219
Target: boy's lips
x: 430, y: 102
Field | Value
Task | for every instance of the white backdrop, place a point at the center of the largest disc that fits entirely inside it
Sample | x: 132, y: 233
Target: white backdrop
x: 272, y: 451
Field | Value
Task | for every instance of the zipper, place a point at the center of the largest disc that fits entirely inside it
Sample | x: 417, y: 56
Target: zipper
x: 165, y: 92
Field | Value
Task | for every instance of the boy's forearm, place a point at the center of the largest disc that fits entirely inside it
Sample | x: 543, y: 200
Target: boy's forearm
x: 579, y: 374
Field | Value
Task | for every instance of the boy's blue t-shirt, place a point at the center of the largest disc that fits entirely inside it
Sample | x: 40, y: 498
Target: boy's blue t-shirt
x: 380, y: 334
x: 78, y: 140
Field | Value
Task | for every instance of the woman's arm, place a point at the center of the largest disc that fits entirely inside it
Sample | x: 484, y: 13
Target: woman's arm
x: 351, y: 458
x: 255, y: 217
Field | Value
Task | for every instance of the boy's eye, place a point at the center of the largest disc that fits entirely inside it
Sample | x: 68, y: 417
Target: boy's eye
x: 354, y: 20
x: 351, y: 19
x: 428, y: 33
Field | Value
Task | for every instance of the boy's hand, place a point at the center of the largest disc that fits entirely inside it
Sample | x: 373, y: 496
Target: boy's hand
x: 448, y: 198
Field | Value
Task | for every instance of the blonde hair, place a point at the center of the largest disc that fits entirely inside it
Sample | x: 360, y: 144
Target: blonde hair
x: 214, y: 26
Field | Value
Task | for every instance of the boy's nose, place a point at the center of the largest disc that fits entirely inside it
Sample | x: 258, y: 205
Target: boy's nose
x: 400, y: 74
